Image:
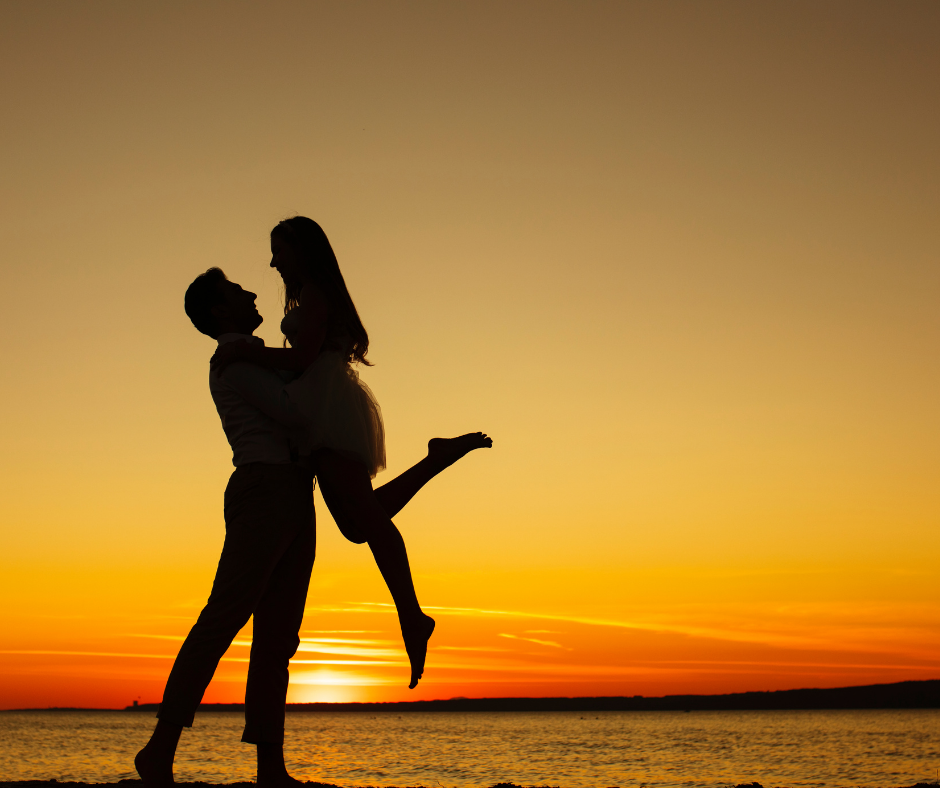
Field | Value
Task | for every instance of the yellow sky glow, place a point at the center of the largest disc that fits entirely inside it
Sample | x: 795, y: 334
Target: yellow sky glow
x: 679, y: 260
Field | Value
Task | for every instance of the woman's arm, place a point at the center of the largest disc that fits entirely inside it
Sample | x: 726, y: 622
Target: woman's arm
x: 301, y: 353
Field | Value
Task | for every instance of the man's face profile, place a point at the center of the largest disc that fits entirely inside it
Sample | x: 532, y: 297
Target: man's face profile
x: 238, y: 311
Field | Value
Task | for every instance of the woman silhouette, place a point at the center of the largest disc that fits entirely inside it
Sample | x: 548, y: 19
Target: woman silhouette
x: 342, y: 422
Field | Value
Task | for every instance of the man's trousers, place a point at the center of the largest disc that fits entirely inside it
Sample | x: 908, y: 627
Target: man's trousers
x: 264, y: 571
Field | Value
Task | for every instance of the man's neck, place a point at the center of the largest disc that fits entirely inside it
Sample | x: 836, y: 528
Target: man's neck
x: 230, y: 329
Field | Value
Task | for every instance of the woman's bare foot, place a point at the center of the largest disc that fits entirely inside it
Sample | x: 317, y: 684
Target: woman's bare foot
x: 416, y: 638
x: 154, y: 771
x: 446, y: 451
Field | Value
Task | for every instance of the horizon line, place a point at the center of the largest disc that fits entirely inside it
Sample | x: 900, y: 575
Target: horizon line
x: 135, y: 706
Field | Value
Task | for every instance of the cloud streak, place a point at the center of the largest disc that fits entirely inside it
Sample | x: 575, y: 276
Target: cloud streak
x: 714, y: 633
x: 551, y: 643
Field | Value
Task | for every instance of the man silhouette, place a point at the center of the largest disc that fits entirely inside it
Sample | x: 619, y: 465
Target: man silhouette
x: 269, y: 548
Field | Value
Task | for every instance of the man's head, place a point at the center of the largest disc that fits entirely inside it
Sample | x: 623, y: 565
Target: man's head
x: 217, y: 306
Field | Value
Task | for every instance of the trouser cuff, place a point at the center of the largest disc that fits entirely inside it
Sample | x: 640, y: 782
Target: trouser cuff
x: 257, y: 733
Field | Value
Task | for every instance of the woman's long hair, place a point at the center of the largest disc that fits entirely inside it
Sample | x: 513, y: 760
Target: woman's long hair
x: 308, y: 240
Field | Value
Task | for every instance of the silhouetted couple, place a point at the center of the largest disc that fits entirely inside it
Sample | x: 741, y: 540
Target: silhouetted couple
x: 291, y: 414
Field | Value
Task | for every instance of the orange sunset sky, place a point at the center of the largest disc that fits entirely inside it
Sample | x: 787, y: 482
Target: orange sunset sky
x: 680, y: 259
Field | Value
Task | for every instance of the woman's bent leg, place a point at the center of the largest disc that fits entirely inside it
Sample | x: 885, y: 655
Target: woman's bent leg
x: 347, y: 491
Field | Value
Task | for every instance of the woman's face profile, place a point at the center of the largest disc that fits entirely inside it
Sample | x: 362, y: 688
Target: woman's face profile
x: 284, y: 261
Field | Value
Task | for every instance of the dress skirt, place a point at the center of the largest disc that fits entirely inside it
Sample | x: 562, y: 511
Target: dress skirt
x: 339, y: 411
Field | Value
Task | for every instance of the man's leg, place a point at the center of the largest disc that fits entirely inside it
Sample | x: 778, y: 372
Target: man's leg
x: 256, y: 537
x: 275, y: 638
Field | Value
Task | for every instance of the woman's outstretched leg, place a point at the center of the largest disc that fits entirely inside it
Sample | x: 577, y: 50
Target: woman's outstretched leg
x: 442, y: 453
x: 347, y: 491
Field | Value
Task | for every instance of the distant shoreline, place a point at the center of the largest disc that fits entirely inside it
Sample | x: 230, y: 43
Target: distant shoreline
x: 900, y: 695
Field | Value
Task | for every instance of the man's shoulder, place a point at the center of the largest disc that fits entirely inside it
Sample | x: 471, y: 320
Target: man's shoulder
x: 222, y: 339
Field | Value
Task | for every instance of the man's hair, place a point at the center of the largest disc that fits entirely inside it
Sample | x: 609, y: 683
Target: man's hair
x: 203, y: 294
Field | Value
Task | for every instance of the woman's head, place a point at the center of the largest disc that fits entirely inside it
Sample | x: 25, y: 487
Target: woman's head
x: 301, y: 253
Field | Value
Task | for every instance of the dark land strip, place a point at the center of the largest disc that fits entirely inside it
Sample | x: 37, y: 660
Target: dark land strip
x: 901, y: 695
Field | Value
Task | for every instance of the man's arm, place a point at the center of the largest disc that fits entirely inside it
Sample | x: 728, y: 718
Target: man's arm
x: 305, y: 344
x: 264, y: 390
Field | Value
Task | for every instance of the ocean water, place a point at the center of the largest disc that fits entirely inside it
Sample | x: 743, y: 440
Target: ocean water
x: 461, y: 750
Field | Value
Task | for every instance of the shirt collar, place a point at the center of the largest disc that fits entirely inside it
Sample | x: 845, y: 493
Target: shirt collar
x: 233, y: 337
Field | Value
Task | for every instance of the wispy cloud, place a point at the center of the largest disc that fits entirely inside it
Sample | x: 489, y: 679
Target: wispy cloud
x: 369, y: 662
x: 341, y: 647
x: 553, y: 669
x: 50, y: 652
x: 330, y: 678
x: 353, y: 641
x: 551, y: 643
x: 353, y: 647
x: 717, y: 633
x: 762, y: 664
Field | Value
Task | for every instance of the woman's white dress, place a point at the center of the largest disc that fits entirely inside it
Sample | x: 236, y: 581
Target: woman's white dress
x: 337, y: 409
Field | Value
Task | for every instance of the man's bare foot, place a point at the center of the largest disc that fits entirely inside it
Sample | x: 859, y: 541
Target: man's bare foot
x: 446, y: 451
x: 282, y: 781
x: 272, y: 772
x: 156, y: 772
x: 416, y: 644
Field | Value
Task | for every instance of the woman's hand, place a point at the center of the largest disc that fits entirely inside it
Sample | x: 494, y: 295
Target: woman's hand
x: 227, y: 354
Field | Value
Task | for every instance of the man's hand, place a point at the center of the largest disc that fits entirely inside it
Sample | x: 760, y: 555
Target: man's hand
x: 227, y: 354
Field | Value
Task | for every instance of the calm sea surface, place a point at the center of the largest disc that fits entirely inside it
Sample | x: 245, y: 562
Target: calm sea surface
x: 457, y: 750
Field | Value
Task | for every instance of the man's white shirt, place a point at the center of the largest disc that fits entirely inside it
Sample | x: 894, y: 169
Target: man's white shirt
x: 253, y: 436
